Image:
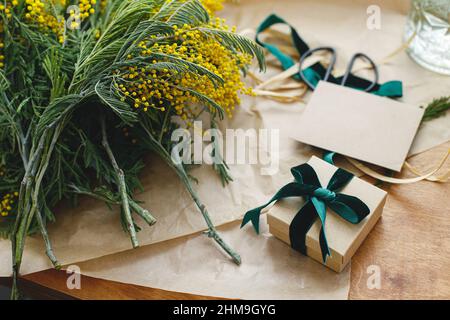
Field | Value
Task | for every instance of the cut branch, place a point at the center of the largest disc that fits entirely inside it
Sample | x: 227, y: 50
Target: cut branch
x: 48, y: 245
x: 143, y: 213
x: 179, y: 169
x: 212, y: 231
x: 120, y: 177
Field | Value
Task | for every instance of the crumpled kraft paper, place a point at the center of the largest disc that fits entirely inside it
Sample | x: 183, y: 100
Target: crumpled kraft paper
x: 91, y: 231
x: 270, y: 269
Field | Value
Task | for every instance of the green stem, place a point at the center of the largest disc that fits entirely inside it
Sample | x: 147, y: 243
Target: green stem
x: 220, y: 167
x: 28, y: 217
x: 28, y: 177
x: 179, y: 169
x: 15, y: 294
x: 32, y: 181
x: 143, y: 213
x: 48, y: 245
x: 212, y: 231
x: 163, y: 128
x: 120, y: 177
x: 17, y: 237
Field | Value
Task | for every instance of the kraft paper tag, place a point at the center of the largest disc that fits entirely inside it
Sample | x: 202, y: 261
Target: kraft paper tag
x: 359, y: 125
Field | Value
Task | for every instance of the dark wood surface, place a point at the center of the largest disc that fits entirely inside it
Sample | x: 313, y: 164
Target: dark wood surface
x: 410, y: 245
x: 98, y: 289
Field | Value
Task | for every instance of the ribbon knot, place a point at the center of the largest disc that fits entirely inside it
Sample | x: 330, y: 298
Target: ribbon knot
x: 318, y: 198
x: 324, y: 194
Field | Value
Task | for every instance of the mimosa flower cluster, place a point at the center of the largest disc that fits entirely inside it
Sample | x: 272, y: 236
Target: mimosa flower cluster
x: 7, y: 199
x: 7, y: 203
x: 52, y: 15
x: 5, y: 9
x: 164, y: 88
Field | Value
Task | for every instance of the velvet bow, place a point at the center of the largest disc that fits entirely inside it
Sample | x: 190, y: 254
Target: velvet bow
x: 317, y: 198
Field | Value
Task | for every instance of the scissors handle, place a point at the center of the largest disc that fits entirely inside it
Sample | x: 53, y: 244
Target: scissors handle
x: 329, y: 69
x: 350, y: 67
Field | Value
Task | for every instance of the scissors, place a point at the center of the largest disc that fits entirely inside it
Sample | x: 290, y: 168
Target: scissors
x: 328, y: 72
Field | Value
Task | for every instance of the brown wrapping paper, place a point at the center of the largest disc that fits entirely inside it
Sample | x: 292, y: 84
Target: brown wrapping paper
x: 92, y: 231
x: 270, y: 269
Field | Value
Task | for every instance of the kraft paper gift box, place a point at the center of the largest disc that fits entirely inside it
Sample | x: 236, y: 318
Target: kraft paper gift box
x: 343, y: 237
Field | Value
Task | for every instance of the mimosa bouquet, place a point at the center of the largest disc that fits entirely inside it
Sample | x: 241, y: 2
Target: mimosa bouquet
x: 88, y: 88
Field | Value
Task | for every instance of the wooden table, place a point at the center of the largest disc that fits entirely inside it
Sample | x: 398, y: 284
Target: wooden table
x: 410, y: 245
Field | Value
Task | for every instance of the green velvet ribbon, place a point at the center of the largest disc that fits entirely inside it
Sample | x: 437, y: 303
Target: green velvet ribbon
x: 328, y: 156
x: 307, y: 185
x: 316, y: 72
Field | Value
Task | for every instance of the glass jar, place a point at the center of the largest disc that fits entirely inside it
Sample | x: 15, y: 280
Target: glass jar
x: 429, y: 20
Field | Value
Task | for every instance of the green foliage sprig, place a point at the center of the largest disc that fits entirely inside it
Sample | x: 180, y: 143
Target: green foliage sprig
x: 437, y: 108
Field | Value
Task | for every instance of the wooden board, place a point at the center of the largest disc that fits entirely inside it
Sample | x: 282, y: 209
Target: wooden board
x: 411, y: 242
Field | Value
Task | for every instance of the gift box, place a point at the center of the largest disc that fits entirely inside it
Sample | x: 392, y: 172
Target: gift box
x: 325, y: 213
x: 343, y: 237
